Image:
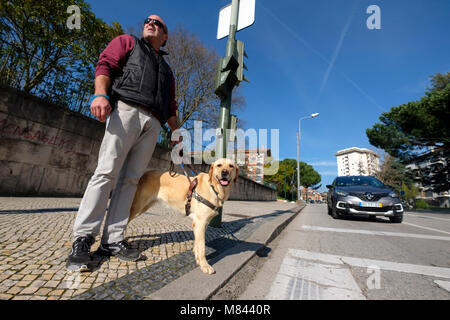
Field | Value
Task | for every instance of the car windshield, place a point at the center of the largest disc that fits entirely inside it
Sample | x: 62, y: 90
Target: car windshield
x: 358, y: 181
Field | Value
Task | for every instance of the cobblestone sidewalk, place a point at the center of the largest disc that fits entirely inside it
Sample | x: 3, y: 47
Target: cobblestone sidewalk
x: 36, y: 237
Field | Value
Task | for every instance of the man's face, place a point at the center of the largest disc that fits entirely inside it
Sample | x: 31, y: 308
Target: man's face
x: 153, y: 33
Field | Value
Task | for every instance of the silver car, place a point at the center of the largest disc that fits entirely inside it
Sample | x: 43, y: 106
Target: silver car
x: 363, y: 195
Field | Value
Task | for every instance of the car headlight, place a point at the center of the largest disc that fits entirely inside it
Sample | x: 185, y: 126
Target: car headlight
x: 342, y: 193
x: 393, y: 195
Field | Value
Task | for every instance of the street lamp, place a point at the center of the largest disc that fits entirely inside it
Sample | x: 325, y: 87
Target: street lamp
x: 298, y: 153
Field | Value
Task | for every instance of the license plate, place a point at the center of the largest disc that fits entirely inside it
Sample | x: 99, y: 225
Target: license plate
x: 371, y: 204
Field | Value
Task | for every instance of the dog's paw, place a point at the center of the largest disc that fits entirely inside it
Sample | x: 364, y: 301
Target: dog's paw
x: 207, y: 269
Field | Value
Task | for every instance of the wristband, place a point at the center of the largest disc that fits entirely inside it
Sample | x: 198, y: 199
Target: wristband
x: 99, y: 95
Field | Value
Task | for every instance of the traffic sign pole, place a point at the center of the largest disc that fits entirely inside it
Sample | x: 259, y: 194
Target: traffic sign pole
x: 225, y: 103
x: 230, y: 74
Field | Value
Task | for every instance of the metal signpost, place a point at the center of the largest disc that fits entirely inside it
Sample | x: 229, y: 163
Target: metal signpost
x: 230, y: 71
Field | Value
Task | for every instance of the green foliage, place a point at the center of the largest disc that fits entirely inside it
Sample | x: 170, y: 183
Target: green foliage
x: 421, y: 204
x: 308, y: 177
x: 417, y: 127
x: 394, y: 173
x: 411, y: 192
x: 42, y: 56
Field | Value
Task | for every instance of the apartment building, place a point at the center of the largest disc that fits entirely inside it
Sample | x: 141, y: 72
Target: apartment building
x: 254, y: 162
x: 357, y: 162
x: 426, y: 167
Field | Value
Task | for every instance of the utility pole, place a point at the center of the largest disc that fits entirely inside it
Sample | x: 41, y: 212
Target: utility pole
x: 298, y: 154
x: 298, y: 169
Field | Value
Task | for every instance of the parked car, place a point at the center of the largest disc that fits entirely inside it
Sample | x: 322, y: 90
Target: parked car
x: 356, y: 195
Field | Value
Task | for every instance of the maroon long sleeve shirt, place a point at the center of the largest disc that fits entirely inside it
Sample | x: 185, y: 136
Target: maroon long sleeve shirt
x: 113, y: 59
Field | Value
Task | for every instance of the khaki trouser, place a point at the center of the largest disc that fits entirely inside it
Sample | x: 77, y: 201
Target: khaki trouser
x: 127, y: 147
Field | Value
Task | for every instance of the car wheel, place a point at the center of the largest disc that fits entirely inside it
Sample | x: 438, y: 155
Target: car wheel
x: 396, y: 219
x: 334, y: 213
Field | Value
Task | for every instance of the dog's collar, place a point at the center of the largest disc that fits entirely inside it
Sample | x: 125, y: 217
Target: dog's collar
x: 217, y: 194
x: 212, y: 187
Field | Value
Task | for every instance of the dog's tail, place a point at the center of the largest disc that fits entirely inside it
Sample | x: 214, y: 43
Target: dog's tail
x: 144, y: 197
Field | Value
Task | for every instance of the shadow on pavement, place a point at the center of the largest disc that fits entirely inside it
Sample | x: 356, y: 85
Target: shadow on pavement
x: 44, y: 210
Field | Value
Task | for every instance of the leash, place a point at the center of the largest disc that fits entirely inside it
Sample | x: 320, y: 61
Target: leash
x: 192, y: 185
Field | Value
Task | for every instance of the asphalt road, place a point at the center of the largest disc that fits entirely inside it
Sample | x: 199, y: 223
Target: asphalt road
x: 317, y: 257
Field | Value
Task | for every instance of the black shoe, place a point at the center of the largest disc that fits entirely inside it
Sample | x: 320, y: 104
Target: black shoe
x: 79, y: 257
x: 121, y: 250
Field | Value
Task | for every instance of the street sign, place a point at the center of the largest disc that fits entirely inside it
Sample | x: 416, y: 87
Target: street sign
x: 246, y: 17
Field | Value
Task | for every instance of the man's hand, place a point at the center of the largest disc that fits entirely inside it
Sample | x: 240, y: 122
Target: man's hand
x: 173, y: 125
x: 100, y: 108
x: 174, y: 143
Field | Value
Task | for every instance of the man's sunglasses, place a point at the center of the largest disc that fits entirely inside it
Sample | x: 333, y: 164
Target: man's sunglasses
x: 156, y: 22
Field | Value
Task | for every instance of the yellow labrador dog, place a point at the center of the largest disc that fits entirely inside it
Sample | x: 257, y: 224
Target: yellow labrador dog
x: 213, y: 186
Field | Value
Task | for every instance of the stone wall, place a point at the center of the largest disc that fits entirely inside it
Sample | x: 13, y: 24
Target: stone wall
x: 46, y: 150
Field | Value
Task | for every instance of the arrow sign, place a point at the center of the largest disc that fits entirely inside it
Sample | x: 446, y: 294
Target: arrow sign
x: 246, y: 17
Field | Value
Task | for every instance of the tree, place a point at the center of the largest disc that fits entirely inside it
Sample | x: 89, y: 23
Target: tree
x: 42, y: 56
x: 420, y: 129
x: 308, y: 177
x: 394, y: 173
x: 411, y: 192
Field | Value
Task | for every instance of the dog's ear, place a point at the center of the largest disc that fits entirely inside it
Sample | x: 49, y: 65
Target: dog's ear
x: 237, y: 173
x: 211, y: 169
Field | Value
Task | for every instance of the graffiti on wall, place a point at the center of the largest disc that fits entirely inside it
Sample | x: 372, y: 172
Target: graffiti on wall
x: 14, y: 130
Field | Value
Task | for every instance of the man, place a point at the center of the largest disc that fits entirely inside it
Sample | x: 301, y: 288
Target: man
x: 135, y: 94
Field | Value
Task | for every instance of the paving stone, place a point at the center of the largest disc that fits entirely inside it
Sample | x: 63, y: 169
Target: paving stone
x: 51, y: 284
x: 57, y: 292
x: 23, y: 283
x: 22, y: 297
x: 29, y: 277
x: 14, y: 290
x: 3, y: 277
x: 4, y: 296
x: 29, y: 290
x: 43, y: 291
x: 8, y: 282
x: 38, y: 283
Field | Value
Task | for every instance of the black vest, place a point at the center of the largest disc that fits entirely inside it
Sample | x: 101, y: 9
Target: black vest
x: 146, y: 79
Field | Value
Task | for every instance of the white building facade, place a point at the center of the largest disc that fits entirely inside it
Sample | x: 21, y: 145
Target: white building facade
x: 357, y: 162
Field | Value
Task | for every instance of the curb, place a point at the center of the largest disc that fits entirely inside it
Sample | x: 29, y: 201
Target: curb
x: 195, y: 285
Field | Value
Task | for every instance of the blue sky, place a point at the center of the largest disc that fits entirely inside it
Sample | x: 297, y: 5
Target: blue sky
x: 318, y: 56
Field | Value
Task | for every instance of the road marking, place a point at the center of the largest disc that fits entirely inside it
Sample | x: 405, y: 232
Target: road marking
x: 299, y: 279
x: 306, y: 275
x: 433, y: 218
x: 378, y: 233
x: 439, y: 272
x: 415, y: 225
x: 443, y: 284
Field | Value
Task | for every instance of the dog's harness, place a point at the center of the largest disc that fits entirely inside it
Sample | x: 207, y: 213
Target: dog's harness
x: 191, y: 192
